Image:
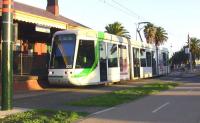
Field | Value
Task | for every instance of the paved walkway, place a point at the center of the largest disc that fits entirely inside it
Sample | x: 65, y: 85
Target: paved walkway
x: 180, y: 105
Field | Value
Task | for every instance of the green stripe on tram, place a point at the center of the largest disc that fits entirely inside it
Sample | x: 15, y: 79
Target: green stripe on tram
x: 87, y: 71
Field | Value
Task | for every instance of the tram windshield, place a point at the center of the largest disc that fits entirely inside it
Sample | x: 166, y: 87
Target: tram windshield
x: 62, y: 56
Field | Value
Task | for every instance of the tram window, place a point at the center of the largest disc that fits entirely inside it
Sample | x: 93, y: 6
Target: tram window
x: 112, y: 55
x: 62, y: 56
x: 102, y: 50
x: 136, y: 60
x: 167, y: 59
x: 164, y: 59
x: 86, y: 54
x: 148, y: 56
x: 142, y: 57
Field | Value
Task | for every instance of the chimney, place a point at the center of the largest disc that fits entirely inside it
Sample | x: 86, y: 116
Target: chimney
x: 52, y: 6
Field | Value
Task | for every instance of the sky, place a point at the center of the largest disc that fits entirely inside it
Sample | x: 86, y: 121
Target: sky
x: 178, y: 17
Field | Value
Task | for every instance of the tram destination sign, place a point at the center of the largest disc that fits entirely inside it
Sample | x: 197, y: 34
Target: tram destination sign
x: 40, y: 28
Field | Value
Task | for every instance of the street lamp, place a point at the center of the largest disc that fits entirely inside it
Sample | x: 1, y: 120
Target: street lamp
x: 138, y: 29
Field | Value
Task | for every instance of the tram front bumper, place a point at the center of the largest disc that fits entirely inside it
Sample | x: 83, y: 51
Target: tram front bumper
x: 58, y: 80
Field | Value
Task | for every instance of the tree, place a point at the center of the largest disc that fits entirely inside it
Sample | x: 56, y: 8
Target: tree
x: 117, y: 29
x: 179, y: 57
x: 155, y: 35
x: 195, y: 49
x: 150, y: 32
x: 160, y: 36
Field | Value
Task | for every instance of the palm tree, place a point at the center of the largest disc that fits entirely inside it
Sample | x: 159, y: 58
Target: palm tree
x: 117, y: 29
x: 150, y: 32
x: 195, y: 49
x: 160, y: 36
x: 155, y: 35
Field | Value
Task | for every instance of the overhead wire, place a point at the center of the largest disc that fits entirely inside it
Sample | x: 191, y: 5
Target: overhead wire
x: 123, y: 9
x: 116, y: 5
x: 127, y: 11
x: 117, y: 8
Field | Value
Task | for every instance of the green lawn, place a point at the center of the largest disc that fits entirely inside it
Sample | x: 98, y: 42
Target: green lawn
x: 123, y: 96
x: 43, y: 116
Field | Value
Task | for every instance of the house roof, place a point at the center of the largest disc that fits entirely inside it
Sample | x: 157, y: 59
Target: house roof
x: 43, y: 13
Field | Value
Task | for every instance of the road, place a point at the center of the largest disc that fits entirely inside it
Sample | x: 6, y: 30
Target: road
x: 180, y: 105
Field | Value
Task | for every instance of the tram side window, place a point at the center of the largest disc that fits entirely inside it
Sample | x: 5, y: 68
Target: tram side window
x: 136, y: 56
x: 167, y: 59
x: 164, y: 59
x: 142, y: 57
x: 112, y: 55
x: 86, y: 54
x: 148, y: 55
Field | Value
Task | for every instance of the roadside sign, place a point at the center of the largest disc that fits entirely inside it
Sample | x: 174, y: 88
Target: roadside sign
x: 44, y: 29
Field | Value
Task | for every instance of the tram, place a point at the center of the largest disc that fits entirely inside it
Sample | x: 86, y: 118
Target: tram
x: 88, y: 57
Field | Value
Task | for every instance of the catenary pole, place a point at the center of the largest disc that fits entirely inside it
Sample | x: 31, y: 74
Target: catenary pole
x: 7, y: 55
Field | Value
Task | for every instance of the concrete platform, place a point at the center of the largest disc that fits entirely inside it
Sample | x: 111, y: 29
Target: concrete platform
x: 27, y: 82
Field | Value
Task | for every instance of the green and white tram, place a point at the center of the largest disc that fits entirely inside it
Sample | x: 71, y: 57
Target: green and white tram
x: 89, y: 57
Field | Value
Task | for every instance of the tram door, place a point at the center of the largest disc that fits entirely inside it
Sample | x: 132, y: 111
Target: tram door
x: 123, y: 60
x: 136, y: 62
x: 153, y: 63
x: 103, y: 61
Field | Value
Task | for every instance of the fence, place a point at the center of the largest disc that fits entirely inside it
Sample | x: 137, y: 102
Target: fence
x: 25, y: 64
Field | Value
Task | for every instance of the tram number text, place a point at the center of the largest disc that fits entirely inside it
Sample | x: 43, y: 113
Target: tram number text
x: 68, y: 66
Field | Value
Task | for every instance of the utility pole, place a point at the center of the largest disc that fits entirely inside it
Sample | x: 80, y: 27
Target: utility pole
x: 7, y: 55
x: 190, y: 54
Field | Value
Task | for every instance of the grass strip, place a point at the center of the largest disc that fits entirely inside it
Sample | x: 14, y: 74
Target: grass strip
x: 123, y: 96
x: 43, y: 116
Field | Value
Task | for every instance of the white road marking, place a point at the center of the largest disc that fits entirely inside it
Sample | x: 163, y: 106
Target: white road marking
x: 160, y: 107
x: 103, y: 111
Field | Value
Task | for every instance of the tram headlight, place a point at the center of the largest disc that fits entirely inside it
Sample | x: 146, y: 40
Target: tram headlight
x: 51, y: 72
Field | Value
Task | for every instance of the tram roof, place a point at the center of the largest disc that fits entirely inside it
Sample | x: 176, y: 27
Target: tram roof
x: 96, y: 34
x: 114, y: 38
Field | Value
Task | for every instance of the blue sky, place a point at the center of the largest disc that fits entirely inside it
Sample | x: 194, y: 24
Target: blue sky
x: 177, y: 17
